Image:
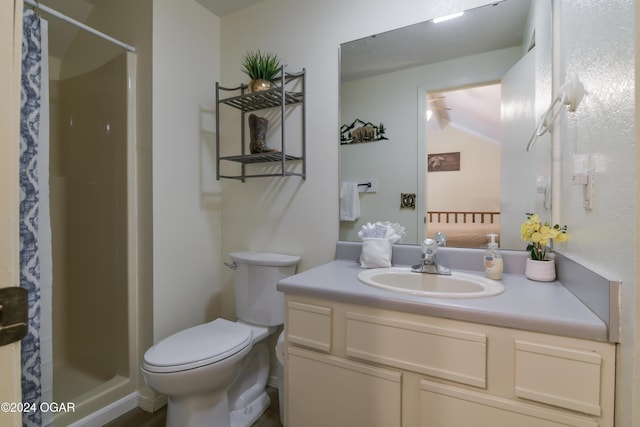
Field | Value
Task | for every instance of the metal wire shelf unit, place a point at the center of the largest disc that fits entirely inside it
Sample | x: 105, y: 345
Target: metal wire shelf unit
x: 277, y: 97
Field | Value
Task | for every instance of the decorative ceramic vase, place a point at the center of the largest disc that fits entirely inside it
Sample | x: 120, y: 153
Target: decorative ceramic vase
x: 540, y: 271
x: 258, y: 85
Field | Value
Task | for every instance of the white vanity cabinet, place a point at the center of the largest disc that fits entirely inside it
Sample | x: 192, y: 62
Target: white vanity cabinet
x: 350, y: 366
x: 325, y: 390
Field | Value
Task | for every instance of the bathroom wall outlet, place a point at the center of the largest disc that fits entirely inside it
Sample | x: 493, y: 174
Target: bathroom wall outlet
x: 583, y: 174
x: 582, y: 179
x: 541, y: 185
x: 547, y: 198
x: 580, y: 169
x: 588, y: 190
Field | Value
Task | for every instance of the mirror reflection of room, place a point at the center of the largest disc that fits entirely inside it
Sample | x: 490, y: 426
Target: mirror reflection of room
x: 393, y: 78
x: 463, y: 134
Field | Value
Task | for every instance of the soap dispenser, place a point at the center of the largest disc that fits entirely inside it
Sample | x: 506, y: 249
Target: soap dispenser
x: 493, y: 265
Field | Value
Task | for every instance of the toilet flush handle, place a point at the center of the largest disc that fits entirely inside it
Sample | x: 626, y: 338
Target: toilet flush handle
x: 232, y: 266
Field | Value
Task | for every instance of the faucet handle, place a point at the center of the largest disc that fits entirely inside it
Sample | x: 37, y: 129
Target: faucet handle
x: 429, y: 246
x: 440, y: 238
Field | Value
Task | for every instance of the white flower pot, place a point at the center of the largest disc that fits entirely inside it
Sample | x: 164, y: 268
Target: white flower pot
x: 540, y: 271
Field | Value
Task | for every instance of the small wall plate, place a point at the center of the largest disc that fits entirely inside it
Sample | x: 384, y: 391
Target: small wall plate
x: 407, y: 200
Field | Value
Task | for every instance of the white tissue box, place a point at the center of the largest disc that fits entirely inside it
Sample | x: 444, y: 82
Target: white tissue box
x: 376, y: 253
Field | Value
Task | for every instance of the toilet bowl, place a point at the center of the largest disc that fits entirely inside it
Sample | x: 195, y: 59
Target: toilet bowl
x: 215, y: 374
x: 225, y: 364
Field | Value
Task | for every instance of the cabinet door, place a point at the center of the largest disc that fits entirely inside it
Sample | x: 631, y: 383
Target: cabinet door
x: 560, y: 376
x: 327, y: 391
x: 446, y: 406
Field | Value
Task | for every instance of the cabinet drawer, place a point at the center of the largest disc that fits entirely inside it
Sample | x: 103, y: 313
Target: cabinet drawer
x: 558, y: 376
x: 450, y: 354
x: 309, y: 325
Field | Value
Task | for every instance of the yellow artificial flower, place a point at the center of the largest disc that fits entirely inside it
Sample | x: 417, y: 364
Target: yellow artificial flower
x: 561, y: 237
x: 540, y: 235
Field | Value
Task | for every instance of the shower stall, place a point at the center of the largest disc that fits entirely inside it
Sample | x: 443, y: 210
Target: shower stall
x: 92, y: 185
x: 79, y: 262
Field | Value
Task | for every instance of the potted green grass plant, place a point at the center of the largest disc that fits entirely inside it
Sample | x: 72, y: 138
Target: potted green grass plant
x: 262, y: 68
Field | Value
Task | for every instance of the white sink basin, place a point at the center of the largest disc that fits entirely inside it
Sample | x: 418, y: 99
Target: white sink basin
x: 457, y: 285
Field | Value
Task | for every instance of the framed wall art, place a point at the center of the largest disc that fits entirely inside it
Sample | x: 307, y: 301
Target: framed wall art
x: 443, y: 162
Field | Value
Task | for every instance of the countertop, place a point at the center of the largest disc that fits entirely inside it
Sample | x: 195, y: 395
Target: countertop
x: 547, y: 307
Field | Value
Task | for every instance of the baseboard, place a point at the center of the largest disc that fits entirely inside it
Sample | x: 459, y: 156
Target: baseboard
x: 274, y: 381
x: 152, y: 403
x: 110, y: 412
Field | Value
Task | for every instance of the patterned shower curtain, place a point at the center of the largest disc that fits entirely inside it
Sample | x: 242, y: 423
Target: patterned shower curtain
x: 34, y: 213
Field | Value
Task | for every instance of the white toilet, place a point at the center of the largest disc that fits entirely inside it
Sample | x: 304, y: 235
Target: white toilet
x: 215, y: 374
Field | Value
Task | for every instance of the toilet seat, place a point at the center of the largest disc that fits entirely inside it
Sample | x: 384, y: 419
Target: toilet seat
x: 197, y: 346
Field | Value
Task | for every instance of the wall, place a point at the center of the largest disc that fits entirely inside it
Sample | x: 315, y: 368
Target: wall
x: 476, y: 186
x: 186, y: 196
x: 295, y: 216
x: 596, y: 41
x: 526, y: 94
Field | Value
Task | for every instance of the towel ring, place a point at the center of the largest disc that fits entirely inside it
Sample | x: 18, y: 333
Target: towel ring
x: 569, y: 94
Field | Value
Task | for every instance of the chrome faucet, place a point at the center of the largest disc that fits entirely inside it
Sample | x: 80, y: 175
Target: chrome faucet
x: 428, y: 262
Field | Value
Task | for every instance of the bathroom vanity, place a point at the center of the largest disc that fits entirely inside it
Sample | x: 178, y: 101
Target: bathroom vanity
x: 534, y: 355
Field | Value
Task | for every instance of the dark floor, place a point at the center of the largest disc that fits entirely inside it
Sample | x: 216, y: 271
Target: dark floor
x: 140, y: 418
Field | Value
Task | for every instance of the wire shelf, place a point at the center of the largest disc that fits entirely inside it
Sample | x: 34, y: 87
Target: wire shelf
x: 260, y: 100
x: 260, y: 158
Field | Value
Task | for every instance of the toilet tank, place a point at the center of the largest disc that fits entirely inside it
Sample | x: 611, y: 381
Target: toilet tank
x: 255, y: 280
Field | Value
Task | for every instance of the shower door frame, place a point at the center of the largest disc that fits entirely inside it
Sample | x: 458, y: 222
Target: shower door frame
x: 117, y: 399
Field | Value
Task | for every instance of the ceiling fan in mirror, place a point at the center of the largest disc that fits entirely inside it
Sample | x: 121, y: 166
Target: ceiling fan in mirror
x: 437, y: 103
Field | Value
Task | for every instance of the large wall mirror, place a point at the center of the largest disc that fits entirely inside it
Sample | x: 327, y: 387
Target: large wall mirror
x: 435, y: 122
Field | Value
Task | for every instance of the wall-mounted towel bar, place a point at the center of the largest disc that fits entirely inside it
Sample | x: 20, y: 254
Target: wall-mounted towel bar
x: 367, y: 185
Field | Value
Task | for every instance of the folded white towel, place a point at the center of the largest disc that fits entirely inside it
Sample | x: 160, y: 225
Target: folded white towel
x: 349, y: 201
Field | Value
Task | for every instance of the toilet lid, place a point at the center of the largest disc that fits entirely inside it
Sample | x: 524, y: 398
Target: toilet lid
x: 265, y: 258
x: 198, y: 346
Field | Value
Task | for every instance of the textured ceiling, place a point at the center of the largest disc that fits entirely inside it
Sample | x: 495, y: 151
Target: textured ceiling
x: 225, y: 7
x: 479, y: 30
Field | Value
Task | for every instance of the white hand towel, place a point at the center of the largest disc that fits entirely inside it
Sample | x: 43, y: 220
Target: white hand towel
x: 349, y: 201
